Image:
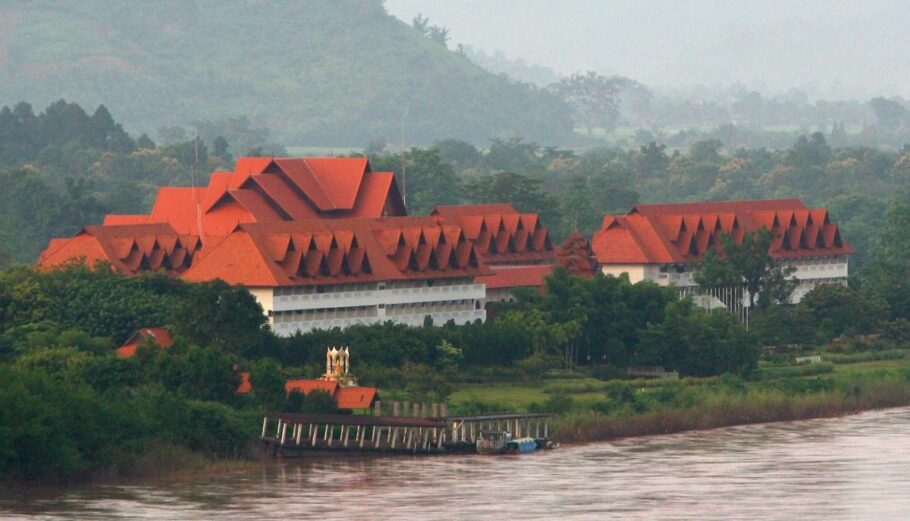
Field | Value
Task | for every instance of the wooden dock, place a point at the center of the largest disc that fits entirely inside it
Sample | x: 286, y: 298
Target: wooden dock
x: 290, y: 434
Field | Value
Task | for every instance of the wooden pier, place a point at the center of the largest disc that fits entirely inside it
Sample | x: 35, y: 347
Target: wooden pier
x: 289, y: 434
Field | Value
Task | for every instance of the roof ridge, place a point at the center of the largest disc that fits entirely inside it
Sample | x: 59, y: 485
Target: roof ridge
x: 319, y: 183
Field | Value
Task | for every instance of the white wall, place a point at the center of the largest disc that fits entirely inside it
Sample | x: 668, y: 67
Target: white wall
x: 636, y: 272
x: 811, y: 272
x: 406, y: 302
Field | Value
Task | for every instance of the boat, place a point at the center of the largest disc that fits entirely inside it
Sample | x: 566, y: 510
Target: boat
x: 502, y: 442
x: 493, y: 442
x: 521, y: 445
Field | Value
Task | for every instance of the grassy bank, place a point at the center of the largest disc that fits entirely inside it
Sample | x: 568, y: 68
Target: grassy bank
x: 591, y: 410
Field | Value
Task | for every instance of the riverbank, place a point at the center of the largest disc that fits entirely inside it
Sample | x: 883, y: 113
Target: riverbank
x: 587, y: 410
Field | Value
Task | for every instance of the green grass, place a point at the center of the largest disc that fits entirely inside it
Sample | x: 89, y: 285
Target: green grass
x: 637, y: 407
x: 512, y: 396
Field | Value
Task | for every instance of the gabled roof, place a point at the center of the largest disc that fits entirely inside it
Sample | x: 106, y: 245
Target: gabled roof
x: 516, y: 276
x: 500, y: 233
x: 680, y: 233
x: 304, y: 386
x: 338, y: 251
x: 576, y: 255
x: 345, y: 397
x: 266, y: 189
x: 128, y: 248
x: 717, y: 207
x: 158, y: 335
x: 453, y: 212
x: 356, y: 397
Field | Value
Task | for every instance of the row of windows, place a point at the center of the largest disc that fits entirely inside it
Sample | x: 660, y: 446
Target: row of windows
x: 322, y: 314
x: 369, y: 286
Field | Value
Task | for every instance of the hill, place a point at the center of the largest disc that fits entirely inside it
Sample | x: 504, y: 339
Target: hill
x: 317, y: 72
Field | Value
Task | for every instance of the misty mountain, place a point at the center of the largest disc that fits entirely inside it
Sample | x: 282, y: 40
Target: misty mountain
x: 317, y: 72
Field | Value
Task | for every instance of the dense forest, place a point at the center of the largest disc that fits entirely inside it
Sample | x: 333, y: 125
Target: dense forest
x: 340, y: 74
x: 92, y: 412
x: 64, y: 168
x: 320, y: 72
x: 73, y: 409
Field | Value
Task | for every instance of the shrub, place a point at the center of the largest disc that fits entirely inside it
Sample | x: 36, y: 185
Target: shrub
x: 558, y: 403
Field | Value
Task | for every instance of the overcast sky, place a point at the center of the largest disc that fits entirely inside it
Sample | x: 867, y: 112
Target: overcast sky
x: 830, y: 48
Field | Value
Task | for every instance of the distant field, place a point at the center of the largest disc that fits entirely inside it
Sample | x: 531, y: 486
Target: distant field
x: 519, y: 395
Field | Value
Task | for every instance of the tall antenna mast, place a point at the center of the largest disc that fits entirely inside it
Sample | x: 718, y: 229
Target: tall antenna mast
x: 404, y: 173
x: 195, y: 197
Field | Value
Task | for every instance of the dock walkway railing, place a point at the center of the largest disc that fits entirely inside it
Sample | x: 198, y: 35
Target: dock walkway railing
x: 293, y: 433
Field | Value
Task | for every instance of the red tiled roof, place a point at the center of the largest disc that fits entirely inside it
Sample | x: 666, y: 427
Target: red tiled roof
x: 346, y: 397
x: 576, y: 255
x: 158, y: 335
x: 718, y: 207
x: 269, y: 223
x: 113, y: 218
x: 500, y: 233
x: 128, y: 248
x: 680, y: 233
x: 245, y: 386
x: 265, y: 189
x: 178, y: 207
x: 337, y: 251
x: 516, y: 276
x: 305, y: 386
x: 356, y: 397
x: 464, y: 210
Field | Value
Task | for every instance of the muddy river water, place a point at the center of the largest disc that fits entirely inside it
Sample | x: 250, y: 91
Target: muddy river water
x: 856, y: 467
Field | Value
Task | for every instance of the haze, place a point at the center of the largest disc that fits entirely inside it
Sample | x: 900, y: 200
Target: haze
x: 833, y: 50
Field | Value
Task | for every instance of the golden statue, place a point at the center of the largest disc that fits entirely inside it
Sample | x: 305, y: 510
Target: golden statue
x: 338, y: 366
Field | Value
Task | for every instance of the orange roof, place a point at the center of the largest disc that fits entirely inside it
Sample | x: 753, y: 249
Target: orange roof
x: 500, y: 233
x: 128, y: 248
x: 718, y: 207
x: 177, y: 206
x: 464, y: 210
x: 679, y: 233
x: 158, y: 335
x: 113, y: 218
x: 346, y: 397
x: 516, y: 276
x: 576, y: 255
x: 356, y: 397
x: 265, y: 189
x: 245, y: 386
x: 305, y: 386
x: 337, y: 251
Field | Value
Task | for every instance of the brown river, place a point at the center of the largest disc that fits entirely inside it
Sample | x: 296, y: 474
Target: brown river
x: 856, y: 467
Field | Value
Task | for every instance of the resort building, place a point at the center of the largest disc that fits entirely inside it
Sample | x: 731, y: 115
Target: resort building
x: 515, y: 246
x: 663, y: 243
x: 322, y: 243
x: 320, y: 274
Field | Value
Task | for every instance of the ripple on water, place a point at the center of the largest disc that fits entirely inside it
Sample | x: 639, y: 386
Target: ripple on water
x: 856, y: 467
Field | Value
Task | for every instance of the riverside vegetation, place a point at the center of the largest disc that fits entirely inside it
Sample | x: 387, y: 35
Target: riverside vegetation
x: 73, y: 411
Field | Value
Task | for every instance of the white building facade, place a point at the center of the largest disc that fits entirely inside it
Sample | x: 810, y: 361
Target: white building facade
x: 306, y: 308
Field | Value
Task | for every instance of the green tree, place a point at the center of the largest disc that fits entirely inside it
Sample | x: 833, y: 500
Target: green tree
x: 698, y: 343
x: 831, y: 310
x: 593, y: 97
x: 750, y: 265
x: 203, y: 373
x: 227, y: 317
x: 891, y: 114
x: 267, y: 383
